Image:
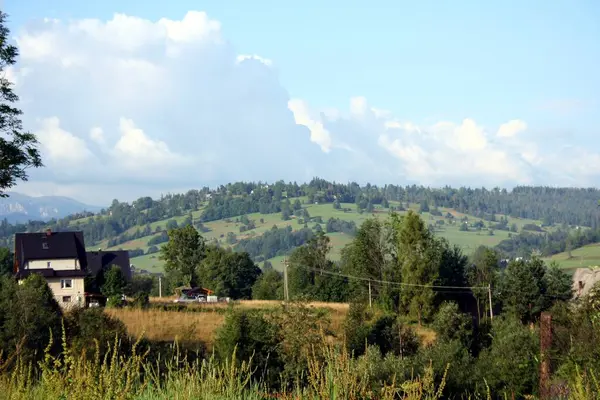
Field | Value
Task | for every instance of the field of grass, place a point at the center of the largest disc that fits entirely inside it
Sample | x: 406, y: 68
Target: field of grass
x: 156, y: 324
x: 587, y: 256
x: 467, y: 240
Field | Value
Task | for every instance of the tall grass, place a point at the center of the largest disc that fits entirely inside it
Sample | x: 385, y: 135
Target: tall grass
x: 117, y: 376
x: 199, y: 322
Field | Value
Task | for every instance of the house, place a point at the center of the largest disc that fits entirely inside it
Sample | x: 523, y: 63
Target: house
x: 584, y: 280
x: 102, y: 260
x: 59, y: 257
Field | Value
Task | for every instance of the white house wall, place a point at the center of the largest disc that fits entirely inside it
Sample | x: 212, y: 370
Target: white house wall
x: 57, y: 265
x: 75, y: 292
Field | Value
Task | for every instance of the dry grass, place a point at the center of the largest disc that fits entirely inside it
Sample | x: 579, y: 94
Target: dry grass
x: 193, y: 326
x: 169, y: 325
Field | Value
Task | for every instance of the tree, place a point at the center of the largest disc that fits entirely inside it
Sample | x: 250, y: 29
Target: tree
x: 18, y: 149
x: 228, y: 273
x: 6, y: 261
x: 268, y: 286
x: 483, y: 270
x: 524, y: 289
x: 367, y: 257
x: 28, y: 312
x: 418, y: 259
x: 306, y: 275
x: 183, y: 254
x: 114, y: 282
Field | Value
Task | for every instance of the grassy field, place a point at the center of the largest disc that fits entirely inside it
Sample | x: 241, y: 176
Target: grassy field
x: 582, y: 257
x: 162, y: 325
x: 468, y: 240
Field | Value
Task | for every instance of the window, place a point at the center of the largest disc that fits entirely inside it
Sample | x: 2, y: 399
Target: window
x: 48, y: 264
x: 45, y: 245
x: 66, y: 299
x: 66, y: 283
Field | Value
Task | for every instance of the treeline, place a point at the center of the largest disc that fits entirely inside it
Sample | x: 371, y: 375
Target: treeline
x: 113, y: 223
x: 549, y: 205
x: 275, y: 242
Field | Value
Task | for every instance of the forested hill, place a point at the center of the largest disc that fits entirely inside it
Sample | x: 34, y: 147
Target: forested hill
x: 124, y: 221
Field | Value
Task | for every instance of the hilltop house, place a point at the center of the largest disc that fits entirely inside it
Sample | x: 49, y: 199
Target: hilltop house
x: 60, y: 257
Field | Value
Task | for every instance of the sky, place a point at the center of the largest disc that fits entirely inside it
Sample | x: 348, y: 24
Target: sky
x: 132, y: 98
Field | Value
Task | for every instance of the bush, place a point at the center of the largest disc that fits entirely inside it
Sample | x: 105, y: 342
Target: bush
x: 115, y: 302
x: 385, y: 331
x: 88, y: 324
x: 29, y: 316
x: 249, y: 335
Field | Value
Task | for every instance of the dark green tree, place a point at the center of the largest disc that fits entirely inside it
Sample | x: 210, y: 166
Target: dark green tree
x: 183, y: 254
x: 28, y: 313
x: 114, y: 282
x: 18, y: 149
x: 524, y: 289
x: 6, y: 261
x: 228, y: 273
x: 268, y: 286
x: 418, y: 259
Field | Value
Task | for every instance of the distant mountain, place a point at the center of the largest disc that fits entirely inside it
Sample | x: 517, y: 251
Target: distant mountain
x: 21, y: 208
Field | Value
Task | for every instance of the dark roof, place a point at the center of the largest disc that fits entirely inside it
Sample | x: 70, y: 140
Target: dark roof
x: 49, y: 246
x: 99, y: 260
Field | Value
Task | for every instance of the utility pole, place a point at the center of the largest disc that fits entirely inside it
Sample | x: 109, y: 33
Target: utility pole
x: 545, y: 345
x: 370, y: 305
x: 286, y: 292
x: 490, y: 297
x: 160, y: 286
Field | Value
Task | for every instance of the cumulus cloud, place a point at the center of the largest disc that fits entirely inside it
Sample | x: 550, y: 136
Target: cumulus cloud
x: 130, y: 107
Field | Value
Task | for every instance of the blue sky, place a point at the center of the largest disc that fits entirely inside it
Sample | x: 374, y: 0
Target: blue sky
x: 426, y: 62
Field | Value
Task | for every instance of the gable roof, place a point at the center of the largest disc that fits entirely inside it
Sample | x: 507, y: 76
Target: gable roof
x: 99, y: 260
x: 49, y: 246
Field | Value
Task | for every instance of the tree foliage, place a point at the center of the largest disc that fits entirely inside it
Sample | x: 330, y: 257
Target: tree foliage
x: 18, y: 149
x: 183, y: 254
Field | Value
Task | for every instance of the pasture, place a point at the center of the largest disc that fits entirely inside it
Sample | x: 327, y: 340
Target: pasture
x: 218, y: 230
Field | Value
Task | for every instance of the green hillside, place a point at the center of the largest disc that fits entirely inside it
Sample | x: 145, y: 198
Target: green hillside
x: 585, y: 256
x: 520, y: 222
x: 467, y: 240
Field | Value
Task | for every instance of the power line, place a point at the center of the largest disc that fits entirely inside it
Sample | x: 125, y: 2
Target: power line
x: 322, y: 271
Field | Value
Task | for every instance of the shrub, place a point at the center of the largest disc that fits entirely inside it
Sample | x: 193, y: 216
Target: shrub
x: 85, y: 325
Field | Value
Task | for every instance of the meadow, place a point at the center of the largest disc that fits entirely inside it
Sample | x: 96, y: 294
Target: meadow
x: 586, y: 256
x: 199, y: 322
x: 467, y: 240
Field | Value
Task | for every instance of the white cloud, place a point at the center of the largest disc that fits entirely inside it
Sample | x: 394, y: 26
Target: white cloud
x: 244, y: 57
x: 61, y: 148
x: 135, y: 150
x: 511, y: 128
x: 170, y: 104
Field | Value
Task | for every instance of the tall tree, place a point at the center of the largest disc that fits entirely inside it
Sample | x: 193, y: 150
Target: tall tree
x: 419, y: 260
x: 183, y: 254
x: 310, y: 272
x: 228, y: 273
x: 482, y: 271
x: 524, y: 289
x: 114, y: 282
x: 18, y: 149
x: 369, y: 256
